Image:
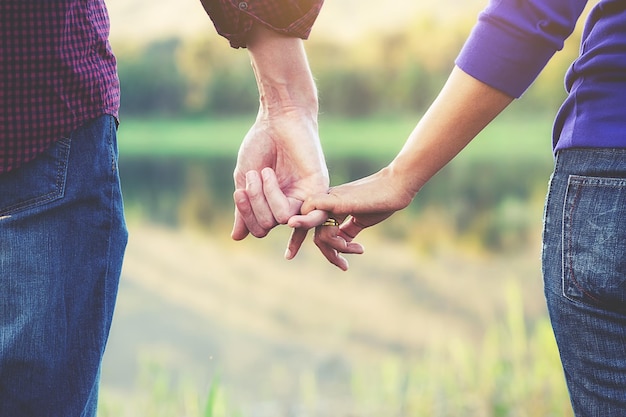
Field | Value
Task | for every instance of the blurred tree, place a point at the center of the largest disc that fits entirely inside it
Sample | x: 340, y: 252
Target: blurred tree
x: 218, y: 80
x: 150, y: 80
x: 232, y: 91
x: 348, y: 93
x: 396, y: 72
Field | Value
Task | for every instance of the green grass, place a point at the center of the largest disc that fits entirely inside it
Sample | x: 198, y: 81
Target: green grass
x: 513, y: 371
x: 182, y: 137
x: 510, y: 136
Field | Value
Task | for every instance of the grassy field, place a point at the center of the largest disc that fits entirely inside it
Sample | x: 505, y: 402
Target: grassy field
x: 510, y: 136
x: 207, y: 327
x: 430, y: 322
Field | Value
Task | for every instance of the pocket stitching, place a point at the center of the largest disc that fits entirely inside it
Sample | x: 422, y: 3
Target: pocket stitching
x: 576, y: 183
x: 567, y: 236
x: 57, y: 193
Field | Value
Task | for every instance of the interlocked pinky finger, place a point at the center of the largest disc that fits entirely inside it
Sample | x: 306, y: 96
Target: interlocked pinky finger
x: 350, y: 229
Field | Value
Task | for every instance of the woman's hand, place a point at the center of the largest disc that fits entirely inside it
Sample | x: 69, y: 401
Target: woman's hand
x: 356, y: 206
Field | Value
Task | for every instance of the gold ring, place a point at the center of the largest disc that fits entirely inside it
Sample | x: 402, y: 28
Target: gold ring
x: 330, y: 222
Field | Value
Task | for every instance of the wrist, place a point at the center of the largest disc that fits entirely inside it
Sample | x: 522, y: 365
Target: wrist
x: 406, y: 176
x: 282, y: 73
x: 278, y: 97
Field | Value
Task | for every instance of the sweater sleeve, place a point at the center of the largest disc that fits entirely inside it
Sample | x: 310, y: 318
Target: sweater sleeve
x: 233, y: 19
x: 513, y: 41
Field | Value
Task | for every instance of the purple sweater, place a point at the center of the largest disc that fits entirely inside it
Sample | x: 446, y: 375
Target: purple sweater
x: 513, y: 41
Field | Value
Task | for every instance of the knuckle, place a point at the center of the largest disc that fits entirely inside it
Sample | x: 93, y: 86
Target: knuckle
x: 254, y: 193
x: 259, y: 233
x: 267, y: 224
x: 282, y: 217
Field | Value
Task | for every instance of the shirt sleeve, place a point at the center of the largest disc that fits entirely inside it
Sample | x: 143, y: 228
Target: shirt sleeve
x: 513, y: 41
x: 233, y: 19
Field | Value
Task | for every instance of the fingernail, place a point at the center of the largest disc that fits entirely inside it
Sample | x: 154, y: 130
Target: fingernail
x: 288, y: 254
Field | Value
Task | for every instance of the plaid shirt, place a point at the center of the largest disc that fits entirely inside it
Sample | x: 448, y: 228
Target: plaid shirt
x: 57, y: 70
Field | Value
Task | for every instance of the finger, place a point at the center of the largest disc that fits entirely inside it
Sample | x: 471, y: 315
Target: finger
x: 328, y: 242
x: 308, y: 221
x: 247, y: 216
x: 350, y: 229
x: 334, y: 257
x: 328, y: 236
x: 240, y: 231
x: 295, y: 243
x: 261, y: 220
x: 353, y: 248
x: 326, y: 202
x: 277, y: 201
x: 335, y: 238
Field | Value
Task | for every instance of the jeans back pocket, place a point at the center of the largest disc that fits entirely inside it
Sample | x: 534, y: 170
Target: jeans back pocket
x: 594, y: 241
x: 37, y: 182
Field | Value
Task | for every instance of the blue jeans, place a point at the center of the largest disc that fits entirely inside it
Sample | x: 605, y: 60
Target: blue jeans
x: 62, y: 239
x: 584, y: 267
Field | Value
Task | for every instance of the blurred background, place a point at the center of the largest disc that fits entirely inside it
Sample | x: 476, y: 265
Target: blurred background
x: 442, y: 316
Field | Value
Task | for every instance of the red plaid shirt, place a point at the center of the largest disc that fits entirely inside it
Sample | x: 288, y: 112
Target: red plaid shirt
x: 57, y: 70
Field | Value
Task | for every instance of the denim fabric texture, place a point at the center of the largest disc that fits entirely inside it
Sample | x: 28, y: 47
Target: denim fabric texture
x: 62, y: 239
x: 584, y: 267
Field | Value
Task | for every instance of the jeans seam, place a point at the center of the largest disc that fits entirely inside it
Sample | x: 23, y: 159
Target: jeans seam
x: 111, y: 150
x: 547, y: 215
x: 113, y: 184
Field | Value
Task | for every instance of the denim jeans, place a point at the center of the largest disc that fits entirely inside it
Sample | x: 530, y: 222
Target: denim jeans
x: 584, y: 267
x: 62, y: 239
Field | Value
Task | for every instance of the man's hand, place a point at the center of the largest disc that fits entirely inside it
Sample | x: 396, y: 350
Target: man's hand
x: 283, y: 138
x: 288, y: 144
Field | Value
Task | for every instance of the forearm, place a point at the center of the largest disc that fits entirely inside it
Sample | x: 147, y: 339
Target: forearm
x: 284, y: 138
x: 282, y: 73
x: 464, y: 107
